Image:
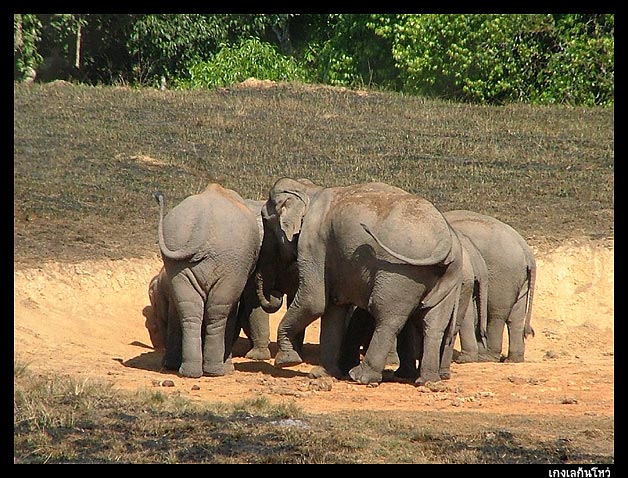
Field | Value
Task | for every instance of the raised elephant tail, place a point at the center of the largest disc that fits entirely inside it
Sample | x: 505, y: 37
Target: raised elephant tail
x: 435, y: 258
x: 174, y: 255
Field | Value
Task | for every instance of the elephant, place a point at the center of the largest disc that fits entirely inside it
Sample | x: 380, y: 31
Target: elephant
x: 209, y: 244
x: 511, y: 279
x: 164, y: 327
x: 470, y: 324
x: 373, y: 246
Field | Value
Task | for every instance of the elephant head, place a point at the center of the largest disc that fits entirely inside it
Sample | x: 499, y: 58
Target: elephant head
x: 277, y: 272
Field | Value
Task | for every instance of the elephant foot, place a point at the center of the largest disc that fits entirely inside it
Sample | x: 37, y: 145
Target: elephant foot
x: 170, y: 364
x: 515, y: 358
x: 191, y: 371
x: 319, y: 372
x: 428, y: 377
x: 364, y: 374
x: 218, y: 369
x: 444, y: 374
x: 258, y: 353
x: 287, y: 358
x: 465, y: 357
x: 407, y: 373
x: 489, y: 357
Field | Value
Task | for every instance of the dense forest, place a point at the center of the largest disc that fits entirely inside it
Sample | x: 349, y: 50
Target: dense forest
x: 477, y: 58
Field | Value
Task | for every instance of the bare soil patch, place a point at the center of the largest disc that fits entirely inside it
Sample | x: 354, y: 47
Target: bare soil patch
x: 86, y: 320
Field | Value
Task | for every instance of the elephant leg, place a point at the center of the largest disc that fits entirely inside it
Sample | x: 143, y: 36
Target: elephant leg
x: 437, y: 335
x: 299, y: 340
x: 191, y: 315
x: 386, y: 329
x: 494, y: 336
x: 259, y: 335
x: 406, y: 351
x: 215, y: 356
x: 468, y: 337
x: 301, y: 313
x: 256, y: 324
x: 359, y: 331
x: 332, y: 333
x: 516, y: 331
x: 172, y: 356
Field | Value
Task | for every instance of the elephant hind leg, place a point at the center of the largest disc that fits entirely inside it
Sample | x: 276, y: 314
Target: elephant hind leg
x: 216, y: 360
x: 494, y: 337
x: 516, y: 331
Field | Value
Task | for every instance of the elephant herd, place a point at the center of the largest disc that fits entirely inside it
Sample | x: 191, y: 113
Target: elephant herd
x: 384, y: 270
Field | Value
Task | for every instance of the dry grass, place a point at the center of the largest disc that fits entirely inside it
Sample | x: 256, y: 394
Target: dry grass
x: 62, y: 420
x: 87, y: 160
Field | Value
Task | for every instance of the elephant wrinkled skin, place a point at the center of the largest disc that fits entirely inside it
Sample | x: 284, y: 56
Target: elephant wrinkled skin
x: 373, y: 246
x: 511, y: 277
x: 164, y: 327
x: 209, y: 244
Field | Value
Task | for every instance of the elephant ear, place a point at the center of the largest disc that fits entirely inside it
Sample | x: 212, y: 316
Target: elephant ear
x: 291, y: 210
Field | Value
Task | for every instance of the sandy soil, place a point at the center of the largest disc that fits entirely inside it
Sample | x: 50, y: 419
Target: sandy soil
x: 86, y: 320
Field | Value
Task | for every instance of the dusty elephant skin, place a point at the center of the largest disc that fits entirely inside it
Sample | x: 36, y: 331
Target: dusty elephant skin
x: 373, y: 246
x: 511, y: 278
x: 164, y: 326
x: 209, y: 244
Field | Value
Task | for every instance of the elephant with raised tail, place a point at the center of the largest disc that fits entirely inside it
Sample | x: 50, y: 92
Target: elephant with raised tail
x: 209, y: 244
x: 511, y: 279
x: 373, y: 246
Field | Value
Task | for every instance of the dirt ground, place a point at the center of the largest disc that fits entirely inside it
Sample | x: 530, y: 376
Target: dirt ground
x: 86, y: 320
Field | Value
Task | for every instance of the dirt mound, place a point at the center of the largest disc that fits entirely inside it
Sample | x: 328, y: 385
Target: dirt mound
x: 87, y: 320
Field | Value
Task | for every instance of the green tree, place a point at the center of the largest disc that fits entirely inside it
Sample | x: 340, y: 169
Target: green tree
x: 26, y: 34
x: 493, y: 58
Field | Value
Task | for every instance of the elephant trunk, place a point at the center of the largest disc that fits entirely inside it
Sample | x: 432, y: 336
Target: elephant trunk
x: 275, y: 300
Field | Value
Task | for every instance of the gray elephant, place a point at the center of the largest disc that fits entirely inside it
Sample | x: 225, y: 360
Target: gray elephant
x: 373, y: 246
x: 511, y: 278
x: 470, y: 324
x: 164, y: 327
x: 209, y: 244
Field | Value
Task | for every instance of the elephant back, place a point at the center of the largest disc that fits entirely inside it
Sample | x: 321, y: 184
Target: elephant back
x: 214, y: 220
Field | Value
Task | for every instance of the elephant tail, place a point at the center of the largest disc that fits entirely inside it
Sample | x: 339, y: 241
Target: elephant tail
x: 434, y: 259
x: 531, y: 273
x: 481, y: 292
x: 173, y: 255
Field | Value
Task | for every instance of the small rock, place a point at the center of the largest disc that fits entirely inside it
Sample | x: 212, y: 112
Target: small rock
x: 195, y: 387
x: 550, y: 354
x: 569, y: 401
x: 436, y: 386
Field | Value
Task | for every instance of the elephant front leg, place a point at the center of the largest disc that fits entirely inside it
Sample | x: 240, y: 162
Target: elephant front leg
x: 332, y: 333
x: 296, y: 319
x: 259, y: 334
x: 215, y: 363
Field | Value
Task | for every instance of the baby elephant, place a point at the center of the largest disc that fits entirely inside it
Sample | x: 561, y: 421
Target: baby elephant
x: 164, y: 327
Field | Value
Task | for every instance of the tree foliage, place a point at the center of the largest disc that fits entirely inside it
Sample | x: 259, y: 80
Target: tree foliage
x: 483, y: 58
x: 491, y: 58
